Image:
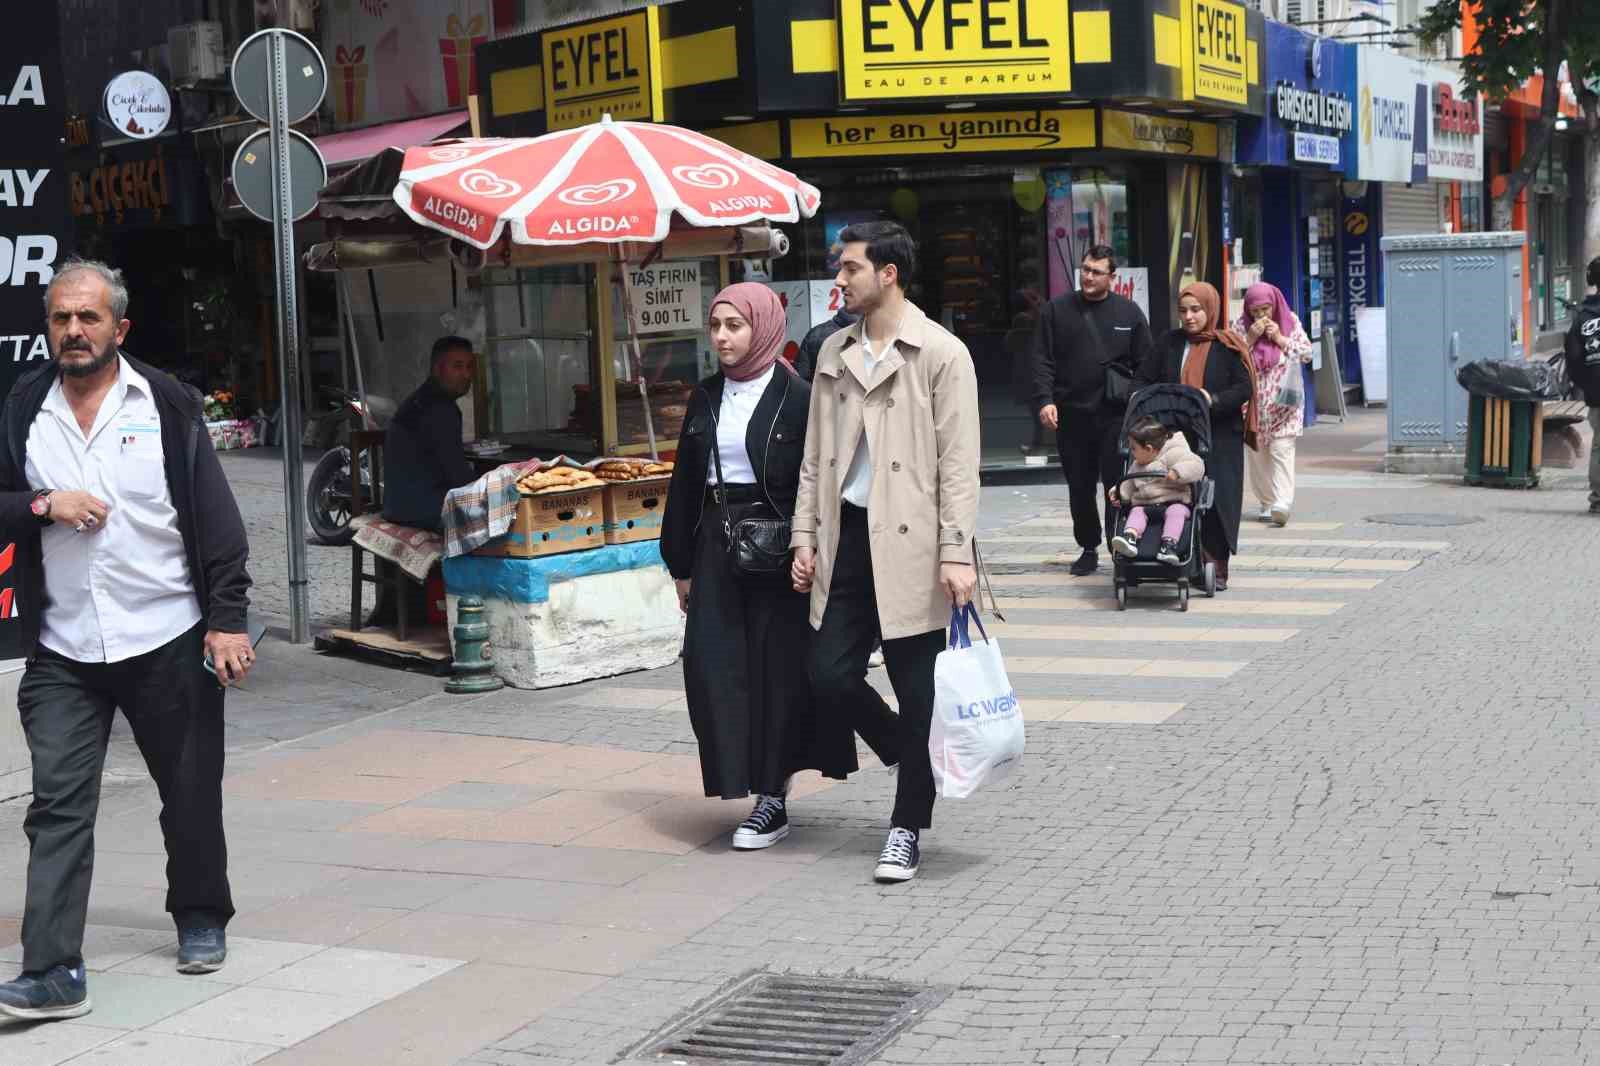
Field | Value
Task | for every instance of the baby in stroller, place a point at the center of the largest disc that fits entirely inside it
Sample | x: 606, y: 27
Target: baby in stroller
x: 1155, y: 449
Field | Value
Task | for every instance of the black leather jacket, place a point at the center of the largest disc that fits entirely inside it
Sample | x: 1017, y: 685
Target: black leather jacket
x: 775, y: 442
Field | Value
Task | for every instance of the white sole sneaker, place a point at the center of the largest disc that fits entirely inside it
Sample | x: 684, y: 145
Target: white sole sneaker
x: 743, y: 841
x: 1280, y: 516
x: 37, y: 1014
x: 894, y: 874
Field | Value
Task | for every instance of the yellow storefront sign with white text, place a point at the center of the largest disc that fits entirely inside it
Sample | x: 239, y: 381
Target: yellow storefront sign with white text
x: 921, y: 49
x: 1215, y: 51
x: 999, y: 131
x: 1138, y: 132
x: 606, y: 67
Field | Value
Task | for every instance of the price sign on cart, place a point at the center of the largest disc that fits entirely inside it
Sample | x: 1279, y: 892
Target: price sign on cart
x: 666, y: 298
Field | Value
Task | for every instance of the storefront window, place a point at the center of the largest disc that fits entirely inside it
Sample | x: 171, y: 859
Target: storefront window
x: 1100, y: 212
x: 1471, y: 206
x: 540, y: 351
x: 1553, y: 259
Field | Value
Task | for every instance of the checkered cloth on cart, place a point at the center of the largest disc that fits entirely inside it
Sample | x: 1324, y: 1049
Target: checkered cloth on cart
x: 477, y: 513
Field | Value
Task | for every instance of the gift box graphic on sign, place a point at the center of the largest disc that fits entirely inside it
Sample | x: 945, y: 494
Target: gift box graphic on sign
x: 350, y: 102
x: 457, y: 50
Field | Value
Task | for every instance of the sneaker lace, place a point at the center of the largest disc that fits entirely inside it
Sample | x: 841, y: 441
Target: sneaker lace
x: 767, y: 808
x: 897, y: 849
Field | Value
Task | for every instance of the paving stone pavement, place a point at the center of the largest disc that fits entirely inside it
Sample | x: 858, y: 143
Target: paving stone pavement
x: 1369, y: 840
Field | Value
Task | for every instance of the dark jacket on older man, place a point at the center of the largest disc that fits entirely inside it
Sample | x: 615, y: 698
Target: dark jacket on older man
x: 423, y: 458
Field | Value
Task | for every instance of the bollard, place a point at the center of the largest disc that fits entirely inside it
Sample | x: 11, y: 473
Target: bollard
x: 473, y: 664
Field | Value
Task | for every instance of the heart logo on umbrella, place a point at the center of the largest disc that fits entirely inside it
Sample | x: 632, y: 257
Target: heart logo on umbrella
x: 599, y: 193
x: 489, y: 185
x: 449, y: 155
x: 707, y: 176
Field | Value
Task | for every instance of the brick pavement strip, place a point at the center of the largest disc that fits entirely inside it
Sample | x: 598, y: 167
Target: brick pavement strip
x: 1370, y: 842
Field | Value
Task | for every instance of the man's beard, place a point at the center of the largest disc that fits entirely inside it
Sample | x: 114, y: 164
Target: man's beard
x: 83, y: 370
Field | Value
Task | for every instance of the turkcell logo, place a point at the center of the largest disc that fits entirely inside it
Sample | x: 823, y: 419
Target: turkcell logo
x: 990, y: 708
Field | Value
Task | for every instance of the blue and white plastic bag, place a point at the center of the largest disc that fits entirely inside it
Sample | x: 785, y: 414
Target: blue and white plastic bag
x: 976, y: 738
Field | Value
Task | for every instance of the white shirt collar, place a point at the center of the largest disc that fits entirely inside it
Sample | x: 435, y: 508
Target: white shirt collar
x: 127, y: 377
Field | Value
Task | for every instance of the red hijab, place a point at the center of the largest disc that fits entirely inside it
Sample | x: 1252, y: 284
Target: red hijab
x: 759, y: 306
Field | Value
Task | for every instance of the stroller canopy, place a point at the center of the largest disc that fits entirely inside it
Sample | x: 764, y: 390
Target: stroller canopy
x: 1178, y: 407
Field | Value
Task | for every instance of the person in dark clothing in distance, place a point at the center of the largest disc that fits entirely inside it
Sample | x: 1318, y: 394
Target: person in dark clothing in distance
x: 1078, y: 336
x: 805, y: 363
x: 1583, y: 367
x: 423, y: 457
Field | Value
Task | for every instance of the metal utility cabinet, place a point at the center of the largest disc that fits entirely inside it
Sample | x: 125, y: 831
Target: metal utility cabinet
x: 1451, y: 299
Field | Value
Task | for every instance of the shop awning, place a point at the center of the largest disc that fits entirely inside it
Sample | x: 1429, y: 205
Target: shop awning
x: 352, y: 146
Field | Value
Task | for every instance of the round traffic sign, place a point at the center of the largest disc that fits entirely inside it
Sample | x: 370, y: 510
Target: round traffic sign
x: 252, y: 175
x: 305, y: 74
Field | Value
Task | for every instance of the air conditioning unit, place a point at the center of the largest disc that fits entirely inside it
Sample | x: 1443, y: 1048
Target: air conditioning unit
x: 195, y: 51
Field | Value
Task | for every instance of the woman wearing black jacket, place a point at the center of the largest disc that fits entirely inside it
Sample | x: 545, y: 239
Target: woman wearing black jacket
x: 1217, y: 361
x: 743, y: 662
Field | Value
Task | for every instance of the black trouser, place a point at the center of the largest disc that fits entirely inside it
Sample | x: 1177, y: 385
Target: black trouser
x: 1089, y: 443
x: 838, y: 669
x: 175, y: 710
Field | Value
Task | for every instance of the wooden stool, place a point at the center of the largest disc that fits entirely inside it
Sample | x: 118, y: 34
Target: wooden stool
x: 369, y: 442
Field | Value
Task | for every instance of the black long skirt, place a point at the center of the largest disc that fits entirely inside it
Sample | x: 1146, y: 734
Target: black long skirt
x: 1225, y: 466
x: 744, y: 670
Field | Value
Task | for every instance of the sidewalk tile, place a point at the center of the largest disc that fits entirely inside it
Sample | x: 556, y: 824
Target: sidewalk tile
x: 249, y: 959
x: 435, y: 755
x: 597, y: 866
x: 466, y: 856
x: 131, y: 907
x: 675, y: 774
x: 445, y: 1020
x: 735, y: 873
x: 106, y: 946
x: 352, y: 787
x: 166, y: 1049
x: 312, y: 921
x: 1120, y: 712
x: 568, y: 768
x: 255, y: 1015
x: 465, y: 936
x: 559, y: 818
x: 22, y: 1044
x: 675, y: 827
x: 397, y: 888
x: 643, y: 699
x: 354, y: 973
x: 480, y: 795
x: 651, y: 912
x: 133, y: 1001
x: 515, y: 897
x: 290, y: 813
x: 426, y: 823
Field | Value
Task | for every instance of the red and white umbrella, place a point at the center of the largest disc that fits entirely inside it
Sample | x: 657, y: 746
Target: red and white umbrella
x: 608, y: 182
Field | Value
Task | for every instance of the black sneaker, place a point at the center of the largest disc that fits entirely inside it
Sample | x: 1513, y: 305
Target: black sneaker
x: 1087, y: 563
x: 59, y: 992
x: 202, y: 949
x: 900, y: 857
x: 1168, y: 552
x: 767, y: 824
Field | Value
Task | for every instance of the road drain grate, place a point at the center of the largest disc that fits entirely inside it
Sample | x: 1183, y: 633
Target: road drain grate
x: 767, y: 1020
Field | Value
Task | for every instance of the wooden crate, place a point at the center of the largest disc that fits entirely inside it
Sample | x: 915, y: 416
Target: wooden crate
x: 552, y: 523
x: 633, y: 509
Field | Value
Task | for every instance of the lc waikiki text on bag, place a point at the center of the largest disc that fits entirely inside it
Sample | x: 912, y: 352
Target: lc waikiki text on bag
x: 976, y: 737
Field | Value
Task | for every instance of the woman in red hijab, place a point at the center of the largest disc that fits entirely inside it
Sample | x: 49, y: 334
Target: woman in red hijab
x: 1215, y: 360
x: 744, y: 661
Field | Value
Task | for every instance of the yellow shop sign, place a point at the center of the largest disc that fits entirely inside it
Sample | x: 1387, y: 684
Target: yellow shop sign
x: 996, y: 131
x: 603, y: 67
x: 1215, y: 52
x: 1156, y: 133
x: 913, y: 49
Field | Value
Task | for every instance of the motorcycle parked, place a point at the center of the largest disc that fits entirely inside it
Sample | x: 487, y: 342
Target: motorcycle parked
x: 329, y: 488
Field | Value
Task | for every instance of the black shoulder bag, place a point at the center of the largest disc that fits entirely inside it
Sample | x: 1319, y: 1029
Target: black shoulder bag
x: 757, y: 546
x: 1118, y: 378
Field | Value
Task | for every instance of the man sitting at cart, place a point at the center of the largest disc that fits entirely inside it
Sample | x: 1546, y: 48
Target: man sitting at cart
x: 423, y: 455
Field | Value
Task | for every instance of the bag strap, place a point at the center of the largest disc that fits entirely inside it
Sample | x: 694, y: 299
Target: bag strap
x: 959, y: 635
x: 1097, y: 341
x: 971, y: 611
x: 985, y: 585
x: 716, y: 458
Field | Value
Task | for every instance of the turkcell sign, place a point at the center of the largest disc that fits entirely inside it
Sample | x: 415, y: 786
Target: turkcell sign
x: 1316, y: 148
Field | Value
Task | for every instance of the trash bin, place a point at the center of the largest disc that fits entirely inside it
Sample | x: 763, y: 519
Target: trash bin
x: 1505, y: 420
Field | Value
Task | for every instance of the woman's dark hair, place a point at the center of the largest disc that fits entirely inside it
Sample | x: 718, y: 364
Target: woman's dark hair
x: 1149, y: 432
x: 1098, y: 252
x: 887, y: 243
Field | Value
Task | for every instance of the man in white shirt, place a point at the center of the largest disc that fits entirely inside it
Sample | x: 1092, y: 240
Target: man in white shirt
x: 132, y: 591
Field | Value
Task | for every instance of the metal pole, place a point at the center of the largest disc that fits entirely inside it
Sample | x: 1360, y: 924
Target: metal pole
x: 288, y: 341
x: 355, y: 350
x: 638, y: 357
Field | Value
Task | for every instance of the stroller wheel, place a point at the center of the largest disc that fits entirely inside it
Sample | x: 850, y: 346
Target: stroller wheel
x: 1211, y: 580
x: 1183, y: 597
x: 1122, y: 597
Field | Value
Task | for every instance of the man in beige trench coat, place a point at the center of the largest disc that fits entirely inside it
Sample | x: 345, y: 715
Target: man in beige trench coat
x: 887, y: 509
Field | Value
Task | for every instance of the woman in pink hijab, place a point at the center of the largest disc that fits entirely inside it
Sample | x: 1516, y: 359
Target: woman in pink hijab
x: 1279, y: 348
x: 744, y: 660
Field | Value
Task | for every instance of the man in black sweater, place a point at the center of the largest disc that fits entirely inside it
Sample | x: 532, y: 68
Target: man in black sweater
x: 805, y: 363
x: 423, y: 455
x: 1084, y: 339
x: 1583, y: 366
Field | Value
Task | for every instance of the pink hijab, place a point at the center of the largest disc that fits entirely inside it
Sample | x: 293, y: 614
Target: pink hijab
x: 760, y: 307
x: 1265, y: 352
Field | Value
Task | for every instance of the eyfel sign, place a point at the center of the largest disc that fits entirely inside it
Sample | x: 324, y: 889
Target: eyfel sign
x: 1216, y: 66
x: 601, y: 68
x: 925, y: 49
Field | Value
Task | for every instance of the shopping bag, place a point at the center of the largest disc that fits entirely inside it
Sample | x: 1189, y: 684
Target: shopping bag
x: 976, y: 736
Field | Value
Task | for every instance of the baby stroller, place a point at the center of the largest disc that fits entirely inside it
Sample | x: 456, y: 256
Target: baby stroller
x: 1180, y: 408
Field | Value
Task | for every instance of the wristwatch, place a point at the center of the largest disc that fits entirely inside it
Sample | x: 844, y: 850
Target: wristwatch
x: 40, y: 506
